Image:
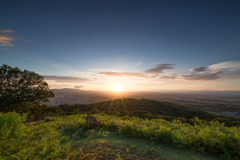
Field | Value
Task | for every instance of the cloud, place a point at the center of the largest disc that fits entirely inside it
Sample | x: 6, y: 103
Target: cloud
x: 228, y: 70
x: 7, y: 31
x: 93, y: 75
x: 124, y: 74
x: 200, y: 69
x: 78, y: 87
x: 7, y: 37
x: 231, y: 69
x: 159, y: 68
x: 6, y: 44
x: 226, y: 65
x: 231, y: 74
x: 168, y: 76
x: 66, y: 79
x: 4, y: 39
x: 202, y: 77
x: 55, y: 65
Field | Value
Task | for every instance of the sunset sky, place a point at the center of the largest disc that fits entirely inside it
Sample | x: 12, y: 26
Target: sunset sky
x: 132, y: 45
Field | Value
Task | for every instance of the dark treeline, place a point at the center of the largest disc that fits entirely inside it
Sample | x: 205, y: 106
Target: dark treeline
x: 145, y: 108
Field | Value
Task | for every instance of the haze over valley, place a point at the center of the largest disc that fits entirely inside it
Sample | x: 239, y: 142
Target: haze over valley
x: 222, y: 103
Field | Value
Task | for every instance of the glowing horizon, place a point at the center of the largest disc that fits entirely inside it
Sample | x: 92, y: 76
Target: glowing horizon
x: 151, y: 46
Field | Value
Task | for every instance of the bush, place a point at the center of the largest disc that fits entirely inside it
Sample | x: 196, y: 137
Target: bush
x: 223, y: 120
x: 183, y: 120
x: 11, y: 124
x: 138, y: 113
x: 94, y: 111
x: 236, y: 123
x: 123, y: 113
x: 49, y: 119
x: 76, y: 111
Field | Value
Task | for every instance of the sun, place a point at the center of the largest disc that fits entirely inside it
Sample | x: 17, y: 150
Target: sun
x: 117, y: 87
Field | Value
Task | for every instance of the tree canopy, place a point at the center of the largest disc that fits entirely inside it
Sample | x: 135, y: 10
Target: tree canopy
x: 17, y: 87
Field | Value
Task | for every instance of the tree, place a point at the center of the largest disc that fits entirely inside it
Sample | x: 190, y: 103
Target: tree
x: 17, y: 86
x: 76, y: 111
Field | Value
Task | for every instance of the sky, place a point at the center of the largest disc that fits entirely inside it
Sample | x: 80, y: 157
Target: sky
x: 135, y: 45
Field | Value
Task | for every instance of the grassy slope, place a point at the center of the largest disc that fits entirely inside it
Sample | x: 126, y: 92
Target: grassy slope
x: 69, y: 137
x: 110, y: 146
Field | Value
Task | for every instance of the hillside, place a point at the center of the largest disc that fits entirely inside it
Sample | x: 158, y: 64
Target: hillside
x: 145, y: 108
x: 69, y: 137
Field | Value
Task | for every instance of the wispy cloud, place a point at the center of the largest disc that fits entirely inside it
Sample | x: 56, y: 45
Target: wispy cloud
x: 66, y: 79
x: 7, y: 37
x: 159, y: 68
x: 202, y: 77
x: 124, y: 74
x: 226, y: 65
x: 93, y: 75
x: 4, y: 39
x: 225, y: 70
x: 200, y: 69
x: 150, y: 73
x: 6, y: 44
x: 231, y: 69
x: 168, y: 76
x: 60, y: 86
x: 78, y: 87
x: 7, y: 31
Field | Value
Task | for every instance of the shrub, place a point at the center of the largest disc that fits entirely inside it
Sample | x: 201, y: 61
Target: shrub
x: 11, y: 124
x: 76, y: 111
x: 94, y: 111
x: 183, y: 120
x: 123, y: 113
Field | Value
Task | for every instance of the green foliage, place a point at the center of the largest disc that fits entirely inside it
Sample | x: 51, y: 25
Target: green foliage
x: 144, y: 108
x: 223, y: 120
x: 204, y: 137
x: 118, y: 156
x: 11, y: 125
x: 94, y: 111
x: 37, y: 111
x: 123, y: 113
x: 236, y: 123
x: 76, y: 153
x: 54, y: 110
x: 49, y: 119
x: 42, y: 141
x: 17, y: 87
x: 76, y: 111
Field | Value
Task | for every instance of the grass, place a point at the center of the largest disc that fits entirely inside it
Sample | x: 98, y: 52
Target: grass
x: 119, y: 138
x: 97, y: 145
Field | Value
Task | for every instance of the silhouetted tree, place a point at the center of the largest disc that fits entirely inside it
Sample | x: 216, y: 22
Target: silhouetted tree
x: 17, y: 87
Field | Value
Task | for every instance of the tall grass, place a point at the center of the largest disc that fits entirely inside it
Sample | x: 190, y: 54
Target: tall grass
x: 43, y: 141
x: 204, y: 137
x: 21, y: 141
x: 11, y: 125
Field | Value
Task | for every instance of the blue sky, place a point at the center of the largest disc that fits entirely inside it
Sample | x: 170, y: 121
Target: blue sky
x: 96, y: 44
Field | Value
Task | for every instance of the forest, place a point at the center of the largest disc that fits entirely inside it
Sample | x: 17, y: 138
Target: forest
x: 148, y: 109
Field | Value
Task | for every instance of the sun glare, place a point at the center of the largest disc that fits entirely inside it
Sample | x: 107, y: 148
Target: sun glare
x: 117, y: 87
